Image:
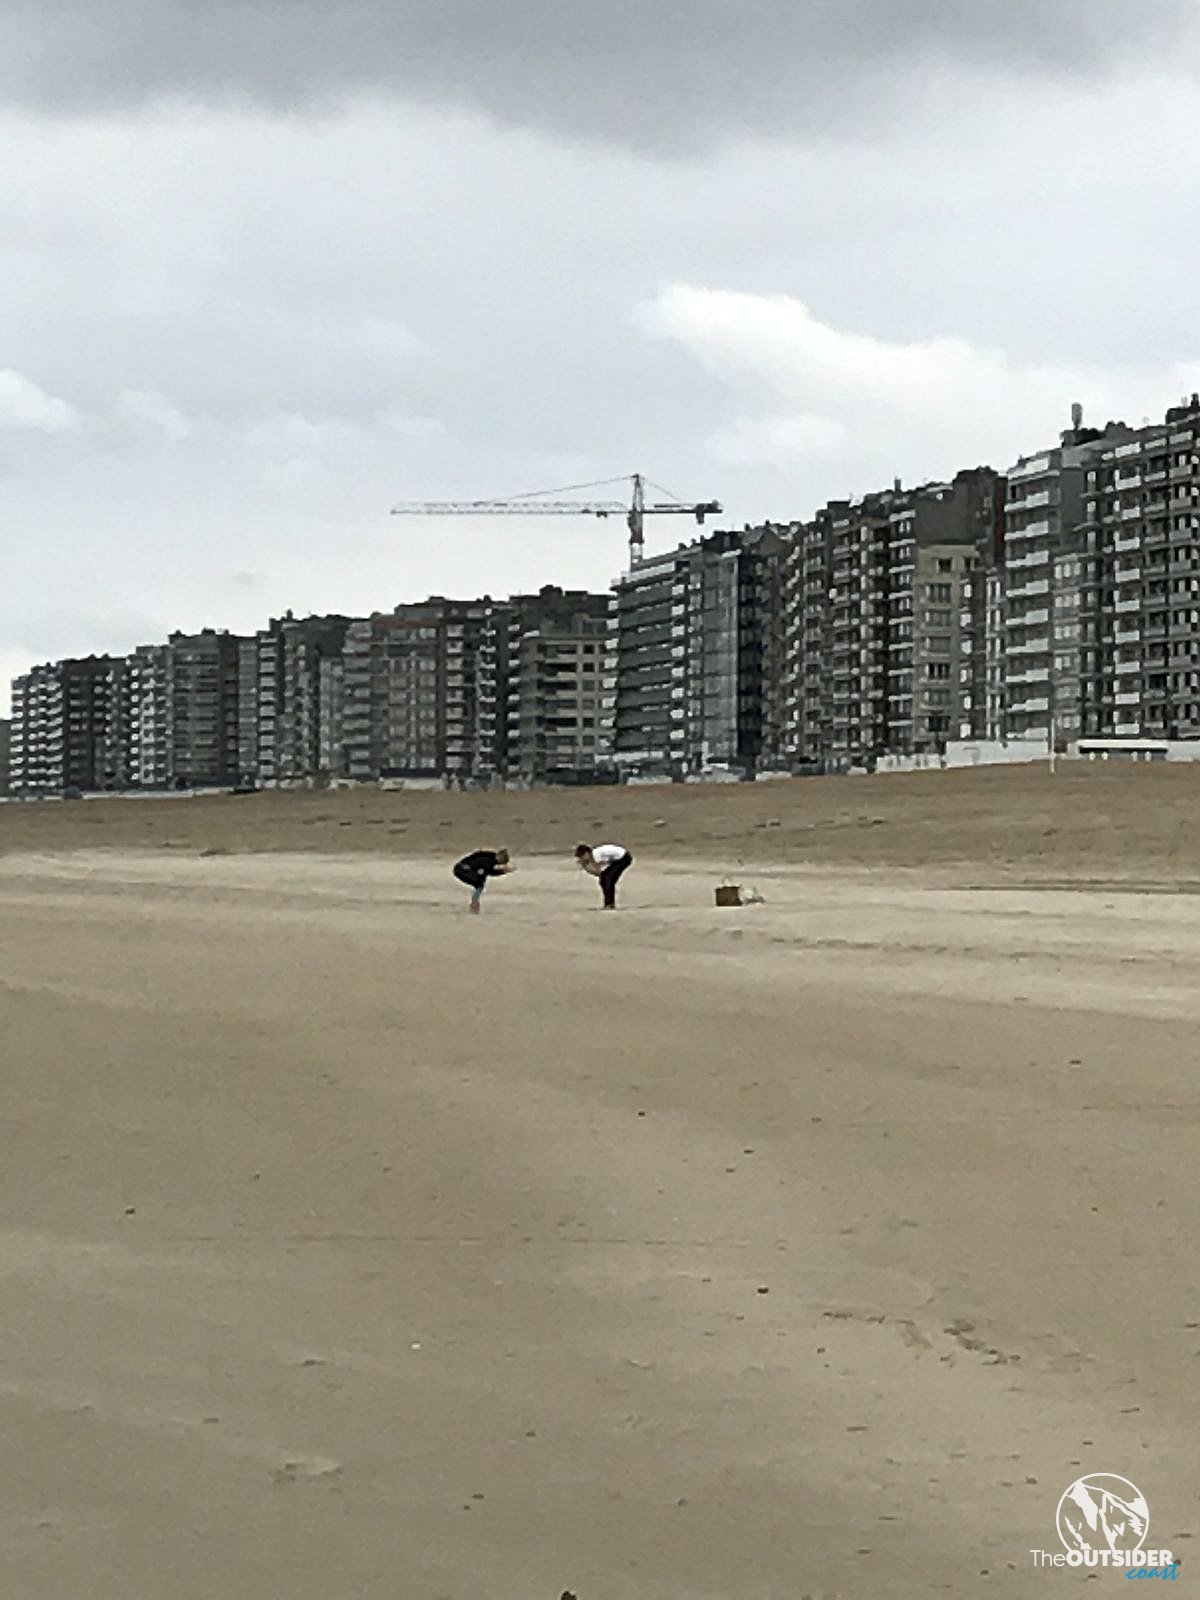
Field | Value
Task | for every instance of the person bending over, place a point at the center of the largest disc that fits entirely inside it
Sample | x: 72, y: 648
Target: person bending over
x: 606, y: 862
x: 475, y: 870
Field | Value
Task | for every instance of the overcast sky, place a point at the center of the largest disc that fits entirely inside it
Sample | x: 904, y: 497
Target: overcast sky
x: 270, y: 266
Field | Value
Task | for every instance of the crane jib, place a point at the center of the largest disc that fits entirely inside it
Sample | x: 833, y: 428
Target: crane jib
x: 547, y: 504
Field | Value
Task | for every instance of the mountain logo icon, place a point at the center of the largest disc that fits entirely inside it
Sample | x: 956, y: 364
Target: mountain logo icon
x: 1103, y: 1512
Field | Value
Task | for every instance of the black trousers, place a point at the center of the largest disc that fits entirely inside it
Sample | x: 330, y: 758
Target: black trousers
x: 610, y: 876
x: 473, y: 878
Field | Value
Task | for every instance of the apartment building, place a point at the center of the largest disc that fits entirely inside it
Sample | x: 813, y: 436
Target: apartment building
x: 114, y: 745
x: 1139, y: 586
x: 862, y: 642
x: 203, y: 742
x: 1067, y: 618
x: 410, y: 681
x: 333, y: 755
x: 1043, y: 516
x: 807, y: 627
x: 984, y: 594
x: 60, y: 741
x: 764, y: 636
x: 687, y: 649
x: 150, y: 717
x: 648, y: 646
x: 754, y: 739
x: 293, y: 689
x: 883, y: 622
x: 541, y: 681
x: 5, y: 756
x: 247, y: 711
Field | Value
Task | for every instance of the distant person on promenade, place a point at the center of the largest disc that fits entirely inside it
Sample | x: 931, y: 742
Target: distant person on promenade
x: 475, y: 870
x: 606, y: 862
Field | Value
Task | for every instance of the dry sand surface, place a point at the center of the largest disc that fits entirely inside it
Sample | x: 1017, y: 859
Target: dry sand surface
x: 354, y: 1247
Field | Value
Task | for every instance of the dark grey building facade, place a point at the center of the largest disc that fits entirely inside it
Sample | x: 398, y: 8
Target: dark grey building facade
x: 691, y: 633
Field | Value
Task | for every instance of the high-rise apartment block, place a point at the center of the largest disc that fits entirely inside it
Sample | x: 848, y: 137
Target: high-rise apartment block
x: 60, y: 740
x: 205, y: 690
x: 410, y: 681
x: 1139, y: 588
x: 540, y: 688
x: 294, y: 740
x: 1042, y: 541
x: 687, y: 644
x: 883, y: 619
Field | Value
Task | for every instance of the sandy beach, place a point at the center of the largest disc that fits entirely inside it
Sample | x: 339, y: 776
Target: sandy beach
x: 355, y: 1247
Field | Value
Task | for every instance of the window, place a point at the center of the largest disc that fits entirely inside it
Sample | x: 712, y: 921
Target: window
x: 937, y: 591
x: 945, y: 564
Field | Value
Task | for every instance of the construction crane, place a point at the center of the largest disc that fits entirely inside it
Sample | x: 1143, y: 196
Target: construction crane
x: 545, y: 503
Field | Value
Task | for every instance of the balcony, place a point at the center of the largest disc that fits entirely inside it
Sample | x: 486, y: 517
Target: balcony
x: 1035, y: 558
x: 1127, y: 669
x: 1032, y: 530
x: 1127, y: 541
x: 1025, y: 591
x: 1126, y: 605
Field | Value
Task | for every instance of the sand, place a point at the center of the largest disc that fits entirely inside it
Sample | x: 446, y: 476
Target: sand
x: 355, y: 1247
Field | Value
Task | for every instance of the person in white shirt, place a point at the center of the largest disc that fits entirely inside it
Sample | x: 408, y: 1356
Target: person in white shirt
x: 606, y: 862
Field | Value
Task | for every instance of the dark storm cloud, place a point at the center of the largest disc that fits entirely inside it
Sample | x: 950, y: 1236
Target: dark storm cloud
x: 640, y: 72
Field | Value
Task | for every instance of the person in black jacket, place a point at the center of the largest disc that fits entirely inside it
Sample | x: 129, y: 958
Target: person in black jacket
x: 475, y: 870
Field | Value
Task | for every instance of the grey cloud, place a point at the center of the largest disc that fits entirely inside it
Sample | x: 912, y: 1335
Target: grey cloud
x: 672, y: 73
